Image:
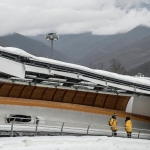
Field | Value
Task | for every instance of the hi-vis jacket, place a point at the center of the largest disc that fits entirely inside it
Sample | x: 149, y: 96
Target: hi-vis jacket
x: 128, y: 126
x: 114, y: 125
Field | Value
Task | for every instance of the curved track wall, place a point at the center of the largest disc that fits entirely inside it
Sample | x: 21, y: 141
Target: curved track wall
x: 59, y: 112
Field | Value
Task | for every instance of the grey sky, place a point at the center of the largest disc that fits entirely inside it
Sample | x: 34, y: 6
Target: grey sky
x: 32, y: 17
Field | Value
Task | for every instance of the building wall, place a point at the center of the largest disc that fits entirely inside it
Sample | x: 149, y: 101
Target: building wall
x: 141, y: 106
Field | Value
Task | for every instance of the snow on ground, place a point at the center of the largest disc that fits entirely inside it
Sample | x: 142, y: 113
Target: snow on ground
x: 73, y: 143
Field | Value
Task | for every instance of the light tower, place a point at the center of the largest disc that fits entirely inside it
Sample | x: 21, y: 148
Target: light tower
x: 52, y: 37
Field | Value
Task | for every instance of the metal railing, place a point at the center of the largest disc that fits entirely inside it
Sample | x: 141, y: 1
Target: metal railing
x: 69, y: 127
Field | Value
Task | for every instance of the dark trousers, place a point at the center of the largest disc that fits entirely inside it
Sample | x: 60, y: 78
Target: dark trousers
x: 129, y: 134
x: 114, y: 133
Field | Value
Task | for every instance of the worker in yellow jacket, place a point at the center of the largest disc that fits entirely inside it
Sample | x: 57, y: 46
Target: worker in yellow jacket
x: 114, y: 125
x: 128, y: 126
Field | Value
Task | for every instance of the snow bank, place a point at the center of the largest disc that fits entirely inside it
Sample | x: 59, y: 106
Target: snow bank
x: 73, y: 143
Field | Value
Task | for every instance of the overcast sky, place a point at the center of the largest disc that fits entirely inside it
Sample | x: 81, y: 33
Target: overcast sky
x: 32, y: 17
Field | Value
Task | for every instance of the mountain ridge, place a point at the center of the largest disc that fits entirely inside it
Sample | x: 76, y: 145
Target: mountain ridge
x: 31, y: 46
x: 137, y: 54
x: 85, y: 48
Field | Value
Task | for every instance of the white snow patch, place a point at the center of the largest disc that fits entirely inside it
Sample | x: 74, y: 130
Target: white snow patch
x: 73, y: 143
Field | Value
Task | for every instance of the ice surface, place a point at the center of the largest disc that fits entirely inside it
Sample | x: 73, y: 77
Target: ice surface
x: 73, y: 143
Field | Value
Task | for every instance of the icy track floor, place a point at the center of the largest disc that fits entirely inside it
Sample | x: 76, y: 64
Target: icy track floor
x: 73, y: 143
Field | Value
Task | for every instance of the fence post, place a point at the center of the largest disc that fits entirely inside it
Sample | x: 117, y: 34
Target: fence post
x: 11, y: 134
x: 37, y: 122
x: 139, y: 134
x: 62, y: 127
x: 88, y: 129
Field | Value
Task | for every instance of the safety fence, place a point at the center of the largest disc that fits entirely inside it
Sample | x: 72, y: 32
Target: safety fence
x: 52, y: 126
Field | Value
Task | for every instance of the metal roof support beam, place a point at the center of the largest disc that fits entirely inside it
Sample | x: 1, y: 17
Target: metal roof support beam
x: 32, y: 92
x: 42, y: 95
x: 84, y: 98
x: 95, y: 99
x: 10, y: 90
x: 116, y: 102
x: 74, y: 96
x: 64, y: 95
x: 105, y: 101
x: 22, y: 91
x: 54, y: 95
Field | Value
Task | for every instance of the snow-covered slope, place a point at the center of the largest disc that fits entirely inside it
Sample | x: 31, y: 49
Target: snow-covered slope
x: 73, y: 143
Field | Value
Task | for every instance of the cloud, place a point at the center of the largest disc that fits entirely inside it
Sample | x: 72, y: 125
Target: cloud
x: 32, y: 17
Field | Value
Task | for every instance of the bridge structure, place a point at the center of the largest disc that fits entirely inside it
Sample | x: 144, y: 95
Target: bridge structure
x: 62, y: 91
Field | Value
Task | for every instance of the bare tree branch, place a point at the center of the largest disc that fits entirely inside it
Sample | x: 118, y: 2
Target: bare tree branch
x: 117, y: 67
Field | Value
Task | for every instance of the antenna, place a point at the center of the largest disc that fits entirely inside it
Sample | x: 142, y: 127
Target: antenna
x: 51, y: 28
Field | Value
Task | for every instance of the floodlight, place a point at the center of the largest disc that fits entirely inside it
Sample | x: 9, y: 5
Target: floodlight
x: 52, y: 37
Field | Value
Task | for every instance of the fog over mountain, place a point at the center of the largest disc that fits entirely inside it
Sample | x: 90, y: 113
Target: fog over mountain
x: 132, y: 49
x: 100, y: 17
